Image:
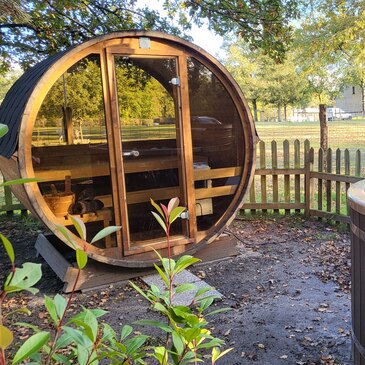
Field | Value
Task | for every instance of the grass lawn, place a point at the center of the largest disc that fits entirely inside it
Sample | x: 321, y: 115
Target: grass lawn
x: 341, y: 134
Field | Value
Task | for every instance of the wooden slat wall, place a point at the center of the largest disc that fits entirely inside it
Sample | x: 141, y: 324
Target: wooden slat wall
x: 291, y: 185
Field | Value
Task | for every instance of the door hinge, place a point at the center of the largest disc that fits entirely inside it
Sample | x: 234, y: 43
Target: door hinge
x: 184, y: 214
x: 175, y: 81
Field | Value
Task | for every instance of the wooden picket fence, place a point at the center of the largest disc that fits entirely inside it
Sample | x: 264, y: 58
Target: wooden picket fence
x: 290, y: 178
x: 313, y: 183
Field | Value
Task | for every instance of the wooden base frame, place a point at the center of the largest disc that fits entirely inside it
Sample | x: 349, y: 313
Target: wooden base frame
x: 97, y: 274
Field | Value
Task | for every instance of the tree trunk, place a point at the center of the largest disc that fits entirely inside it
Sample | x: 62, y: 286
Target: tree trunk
x: 362, y: 97
x: 254, y: 106
x: 323, y: 124
x: 279, y: 112
x: 285, y: 118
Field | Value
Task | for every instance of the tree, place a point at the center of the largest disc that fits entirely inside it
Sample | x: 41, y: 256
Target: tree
x: 264, y: 81
x: 332, y: 40
x: 58, y: 24
x: 284, y: 85
x: 247, y: 66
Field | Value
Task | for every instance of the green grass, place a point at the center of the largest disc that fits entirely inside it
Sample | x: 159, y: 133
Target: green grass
x: 341, y: 134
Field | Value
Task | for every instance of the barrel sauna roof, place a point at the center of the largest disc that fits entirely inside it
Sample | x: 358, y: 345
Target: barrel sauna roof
x: 13, y: 106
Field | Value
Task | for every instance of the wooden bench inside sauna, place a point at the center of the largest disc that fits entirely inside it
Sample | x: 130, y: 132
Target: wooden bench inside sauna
x: 119, y: 120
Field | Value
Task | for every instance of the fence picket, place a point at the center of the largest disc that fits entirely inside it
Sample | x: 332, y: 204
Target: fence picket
x: 252, y: 195
x: 329, y: 182
x: 281, y: 176
x: 347, y: 172
x: 286, y: 177
x: 297, y: 176
x: 274, y: 164
x: 320, y: 181
x: 358, y: 163
x: 338, y: 183
x: 263, y: 177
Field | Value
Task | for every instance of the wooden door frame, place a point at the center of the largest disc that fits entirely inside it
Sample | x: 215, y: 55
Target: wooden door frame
x: 120, y: 202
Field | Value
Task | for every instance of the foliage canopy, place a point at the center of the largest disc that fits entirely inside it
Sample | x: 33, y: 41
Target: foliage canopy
x: 51, y: 26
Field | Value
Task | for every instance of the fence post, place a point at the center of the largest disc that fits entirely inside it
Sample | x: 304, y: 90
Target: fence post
x: 329, y: 182
x: 309, y: 186
x: 338, y: 183
x: 274, y: 164
x: 297, y: 177
x: 286, y: 176
x: 263, y: 177
x: 347, y: 172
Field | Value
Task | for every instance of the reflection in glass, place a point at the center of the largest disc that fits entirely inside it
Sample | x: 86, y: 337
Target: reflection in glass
x: 69, y: 148
x: 151, y: 156
x: 217, y: 143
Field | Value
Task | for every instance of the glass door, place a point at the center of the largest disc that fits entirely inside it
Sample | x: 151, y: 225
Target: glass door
x: 147, y: 101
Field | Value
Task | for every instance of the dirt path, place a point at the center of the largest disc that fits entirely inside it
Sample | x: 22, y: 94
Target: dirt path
x: 288, y: 291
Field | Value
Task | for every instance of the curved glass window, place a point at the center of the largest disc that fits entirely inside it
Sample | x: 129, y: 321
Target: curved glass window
x: 70, y: 152
x: 217, y: 144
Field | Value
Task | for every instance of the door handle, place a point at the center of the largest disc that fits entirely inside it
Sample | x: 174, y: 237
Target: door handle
x: 133, y: 153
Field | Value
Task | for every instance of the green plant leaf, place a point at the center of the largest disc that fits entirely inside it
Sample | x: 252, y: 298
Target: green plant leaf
x: 206, y: 302
x: 160, y: 308
x: 20, y: 310
x: 161, y: 325
x: 108, y: 333
x: 66, y: 234
x: 178, y: 343
x: 185, y: 287
x: 161, y: 354
x: 221, y: 310
x: 135, y: 343
x: 97, y: 312
x: 24, y: 278
x: 175, y: 214
x: 31, y: 346
x: 64, y: 341
x: 51, y: 308
x: 81, y: 258
x: 173, y: 203
x: 6, y: 337
x: 160, y: 221
x: 8, y: 248
x: 158, y: 208
x: 28, y: 325
x: 60, y: 304
x: 86, y: 329
x: 92, y: 323
x: 185, y: 261
x: 77, y: 336
x: 126, y: 331
x: 203, y: 290
x: 82, y: 355
x: 162, y: 275
x: 191, y: 334
x: 3, y: 130
x: 140, y: 291
x: 216, y: 353
x: 105, y: 232
x: 21, y: 181
x: 79, y: 225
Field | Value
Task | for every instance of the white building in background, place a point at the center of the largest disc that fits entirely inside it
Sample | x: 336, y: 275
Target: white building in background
x: 350, y: 100
x: 305, y: 115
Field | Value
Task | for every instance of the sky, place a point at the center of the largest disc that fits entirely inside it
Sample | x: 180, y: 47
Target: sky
x: 202, y: 36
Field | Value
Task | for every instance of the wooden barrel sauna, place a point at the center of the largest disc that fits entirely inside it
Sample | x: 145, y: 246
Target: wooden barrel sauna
x: 356, y: 198
x: 126, y: 117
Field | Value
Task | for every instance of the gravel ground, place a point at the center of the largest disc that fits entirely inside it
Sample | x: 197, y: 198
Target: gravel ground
x: 288, y: 290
